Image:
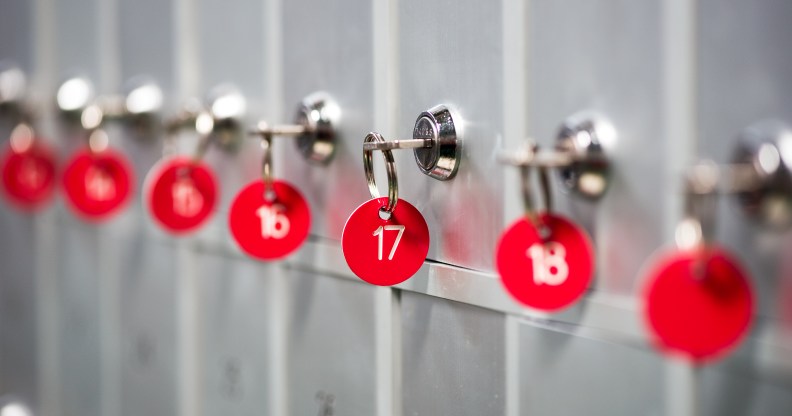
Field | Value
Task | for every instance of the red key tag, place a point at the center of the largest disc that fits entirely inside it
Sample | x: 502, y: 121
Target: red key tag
x: 385, y: 252
x: 98, y: 184
x: 29, y: 174
x: 181, y: 194
x: 269, y: 230
x: 699, y: 303
x: 545, y: 273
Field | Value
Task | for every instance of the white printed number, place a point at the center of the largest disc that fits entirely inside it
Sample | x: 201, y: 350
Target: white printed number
x: 98, y: 185
x: 381, y: 231
x: 273, y: 223
x: 187, y: 201
x: 549, y: 263
x: 30, y: 174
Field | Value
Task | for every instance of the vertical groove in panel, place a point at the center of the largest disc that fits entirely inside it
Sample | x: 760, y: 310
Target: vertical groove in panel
x: 680, y: 62
x: 274, y: 57
x: 188, y: 337
x: 680, y: 69
x: 385, y: 28
x: 278, y: 296
x: 388, y: 345
x: 512, y: 365
x: 516, y: 114
x: 186, y: 46
x: 47, y: 340
x: 515, y: 125
x: 107, y: 255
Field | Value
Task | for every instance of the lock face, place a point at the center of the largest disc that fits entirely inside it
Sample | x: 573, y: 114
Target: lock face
x: 320, y: 116
x: 441, y: 160
x: 585, y: 136
x: 766, y: 147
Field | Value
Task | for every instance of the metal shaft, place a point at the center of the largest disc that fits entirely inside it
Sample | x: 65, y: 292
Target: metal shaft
x: 398, y: 144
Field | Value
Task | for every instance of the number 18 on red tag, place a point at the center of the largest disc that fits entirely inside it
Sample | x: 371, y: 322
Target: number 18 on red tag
x: 547, y: 272
x: 385, y: 249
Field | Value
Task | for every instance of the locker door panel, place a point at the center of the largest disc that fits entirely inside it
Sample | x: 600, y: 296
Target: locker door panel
x: 725, y: 392
x: 147, y: 288
x: 17, y: 242
x: 18, y: 305
x: 77, y: 39
x: 565, y: 374
x: 230, y: 46
x: 16, y: 36
x: 327, y: 46
x: 608, y: 58
x: 147, y: 328
x: 82, y: 246
x: 79, y: 318
x: 235, y: 319
x: 331, y: 345
x: 452, y: 358
x: 743, y: 79
x: 443, y: 61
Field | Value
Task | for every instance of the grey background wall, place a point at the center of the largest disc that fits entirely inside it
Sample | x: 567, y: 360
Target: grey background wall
x: 122, y: 319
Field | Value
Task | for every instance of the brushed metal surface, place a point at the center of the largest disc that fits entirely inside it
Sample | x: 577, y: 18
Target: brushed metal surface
x: 565, y: 374
x: 731, y: 393
x: 330, y: 341
x: 79, y: 314
x: 442, y: 61
x: 16, y: 36
x: 147, y: 327
x: 327, y: 46
x: 235, y: 323
x: 18, y: 371
x: 452, y: 358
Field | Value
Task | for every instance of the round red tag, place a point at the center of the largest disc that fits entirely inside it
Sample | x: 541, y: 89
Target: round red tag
x: 385, y: 252
x: 269, y: 230
x: 545, y: 273
x: 99, y: 184
x: 699, y: 303
x: 29, y: 175
x: 181, y: 194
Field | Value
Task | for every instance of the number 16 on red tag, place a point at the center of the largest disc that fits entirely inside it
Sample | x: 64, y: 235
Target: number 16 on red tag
x: 269, y: 228
x: 385, y: 251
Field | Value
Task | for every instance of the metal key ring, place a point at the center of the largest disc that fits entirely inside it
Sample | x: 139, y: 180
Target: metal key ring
x: 266, y: 168
x: 390, y: 167
x: 531, y: 210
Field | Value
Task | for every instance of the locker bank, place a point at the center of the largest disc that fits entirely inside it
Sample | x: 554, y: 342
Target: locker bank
x: 348, y: 207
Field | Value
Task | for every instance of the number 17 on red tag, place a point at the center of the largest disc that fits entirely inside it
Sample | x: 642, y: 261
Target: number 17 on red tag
x: 385, y: 249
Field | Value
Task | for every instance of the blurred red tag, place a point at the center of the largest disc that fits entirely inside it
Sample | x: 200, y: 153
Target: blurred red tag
x: 699, y: 303
x: 99, y: 184
x: 29, y: 175
x: 269, y: 230
x: 181, y: 194
x: 547, y: 274
x: 385, y: 252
